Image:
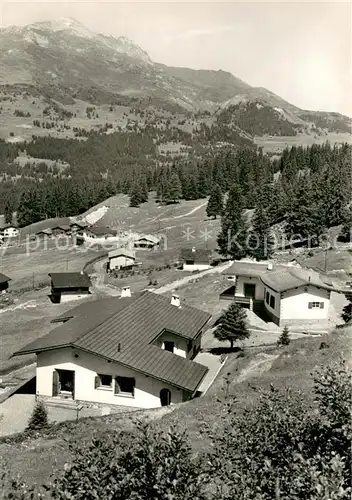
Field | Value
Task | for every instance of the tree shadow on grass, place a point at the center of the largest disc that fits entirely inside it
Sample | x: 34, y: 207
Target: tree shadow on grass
x: 217, y: 351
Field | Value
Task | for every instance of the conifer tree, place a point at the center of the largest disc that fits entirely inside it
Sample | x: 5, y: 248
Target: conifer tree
x: 232, y: 325
x: 284, y: 338
x: 260, y: 241
x: 135, y: 196
x: 39, y: 417
x: 174, y: 190
x: 346, y: 230
x: 232, y: 239
x: 8, y: 214
x: 215, y: 203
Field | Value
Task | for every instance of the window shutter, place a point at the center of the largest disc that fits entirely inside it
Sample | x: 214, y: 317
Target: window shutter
x: 56, y: 382
x: 97, y: 381
x: 310, y: 305
x: 321, y: 305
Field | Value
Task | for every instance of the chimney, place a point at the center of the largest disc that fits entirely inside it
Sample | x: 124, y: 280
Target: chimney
x: 126, y: 292
x: 175, y: 300
x: 193, y: 249
x: 270, y: 266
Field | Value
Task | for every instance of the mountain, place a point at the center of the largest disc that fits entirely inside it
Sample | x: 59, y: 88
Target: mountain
x: 64, y: 61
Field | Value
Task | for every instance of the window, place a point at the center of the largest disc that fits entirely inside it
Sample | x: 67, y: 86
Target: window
x: 103, y: 381
x: 169, y: 346
x: 124, y: 386
x: 272, y: 301
x: 267, y: 297
x: 315, y: 305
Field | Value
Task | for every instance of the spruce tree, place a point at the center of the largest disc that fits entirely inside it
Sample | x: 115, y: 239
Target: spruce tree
x: 232, y: 239
x: 39, y: 417
x: 8, y: 214
x: 174, y: 190
x: 135, y: 196
x: 232, y: 325
x: 284, y: 338
x: 260, y: 241
x: 215, y: 203
x: 346, y: 230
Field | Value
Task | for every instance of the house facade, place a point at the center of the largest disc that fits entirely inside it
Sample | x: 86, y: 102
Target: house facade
x: 69, y: 286
x: 9, y: 231
x: 121, y: 258
x: 285, y: 295
x: 297, y: 298
x: 147, y: 242
x: 82, y: 376
x: 134, y: 351
x: 97, y: 235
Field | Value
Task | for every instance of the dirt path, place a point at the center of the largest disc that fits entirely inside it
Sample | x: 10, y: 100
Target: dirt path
x: 262, y: 364
x: 183, y: 281
x: 184, y: 215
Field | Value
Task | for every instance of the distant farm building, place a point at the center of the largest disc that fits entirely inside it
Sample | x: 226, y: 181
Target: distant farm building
x: 196, y: 259
x: 147, y: 241
x: 9, y: 231
x: 121, y: 258
x: 4, y: 283
x: 96, y: 235
x: 69, y: 286
x: 44, y: 233
x: 63, y: 229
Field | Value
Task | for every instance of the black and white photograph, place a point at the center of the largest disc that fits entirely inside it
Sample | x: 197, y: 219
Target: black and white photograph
x: 175, y: 250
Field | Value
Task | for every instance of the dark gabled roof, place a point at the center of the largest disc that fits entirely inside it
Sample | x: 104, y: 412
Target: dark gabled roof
x: 123, y: 252
x: 81, y: 225
x: 198, y: 255
x: 101, y: 230
x: 7, y: 226
x: 4, y: 278
x: 148, y: 237
x: 70, y: 280
x: 290, y: 277
x: 122, y: 329
x: 62, y: 227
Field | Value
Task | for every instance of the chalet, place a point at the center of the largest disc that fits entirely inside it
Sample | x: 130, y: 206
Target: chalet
x: 134, y: 351
x: 44, y: 233
x: 147, y: 241
x: 69, y: 286
x: 9, y: 231
x: 196, y: 259
x: 287, y: 295
x: 63, y: 229
x: 78, y: 226
x: 121, y: 258
x: 4, y: 283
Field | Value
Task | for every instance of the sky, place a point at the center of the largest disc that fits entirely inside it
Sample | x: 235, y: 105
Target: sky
x: 302, y: 51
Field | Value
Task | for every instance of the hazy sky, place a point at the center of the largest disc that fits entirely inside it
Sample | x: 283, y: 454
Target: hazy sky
x: 301, y: 51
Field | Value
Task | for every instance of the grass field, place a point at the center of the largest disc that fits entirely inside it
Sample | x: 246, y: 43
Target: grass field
x: 278, y: 143
x: 38, y: 458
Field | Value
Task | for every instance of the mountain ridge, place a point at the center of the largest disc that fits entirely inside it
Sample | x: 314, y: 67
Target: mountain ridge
x: 69, y: 61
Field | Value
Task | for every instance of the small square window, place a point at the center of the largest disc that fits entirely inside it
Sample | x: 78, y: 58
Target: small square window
x: 104, y: 381
x: 125, y: 386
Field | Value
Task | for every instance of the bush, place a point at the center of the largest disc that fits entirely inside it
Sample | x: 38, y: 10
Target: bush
x: 39, y: 417
x: 148, y: 465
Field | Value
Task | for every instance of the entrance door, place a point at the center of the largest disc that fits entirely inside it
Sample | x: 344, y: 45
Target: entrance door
x: 66, y: 383
x: 165, y: 397
x: 249, y: 290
